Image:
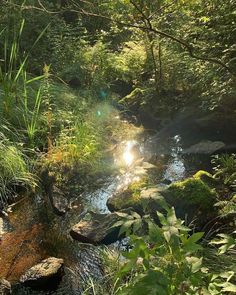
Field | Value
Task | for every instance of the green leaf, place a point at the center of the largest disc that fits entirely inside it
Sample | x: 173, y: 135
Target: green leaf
x: 190, y: 245
x: 226, y: 241
x: 229, y: 287
x: 122, y: 214
x: 195, y: 262
x: 126, y: 227
x: 162, y: 218
x: 171, y: 217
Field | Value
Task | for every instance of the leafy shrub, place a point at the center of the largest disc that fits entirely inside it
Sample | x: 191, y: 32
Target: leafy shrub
x: 167, y: 260
x: 225, y: 173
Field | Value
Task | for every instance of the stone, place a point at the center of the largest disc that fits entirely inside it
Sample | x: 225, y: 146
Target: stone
x: 96, y: 228
x: 205, y: 147
x: 46, y: 274
x: 5, y: 287
x: 59, y: 201
x: 145, y: 201
x: 193, y: 198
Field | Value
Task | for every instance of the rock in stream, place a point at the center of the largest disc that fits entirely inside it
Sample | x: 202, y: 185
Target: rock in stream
x: 45, y: 274
x: 98, y: 229
x: 5, y: 287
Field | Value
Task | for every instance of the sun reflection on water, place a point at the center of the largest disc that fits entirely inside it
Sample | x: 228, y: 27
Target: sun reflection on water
x: 128, y: 155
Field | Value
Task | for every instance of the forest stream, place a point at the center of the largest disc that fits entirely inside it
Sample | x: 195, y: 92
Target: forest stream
x: 117, y: 147
x: 32, y: 231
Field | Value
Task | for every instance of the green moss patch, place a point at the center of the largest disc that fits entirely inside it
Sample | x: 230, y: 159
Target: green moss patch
x: 194, y: 190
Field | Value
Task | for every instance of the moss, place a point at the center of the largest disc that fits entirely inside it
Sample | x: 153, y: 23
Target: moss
x: 194, y: 191
x: 201, y: 174
x: 131, y: 196
x: 138, y: 185
x: 134, y: 97
x: 207, y: 178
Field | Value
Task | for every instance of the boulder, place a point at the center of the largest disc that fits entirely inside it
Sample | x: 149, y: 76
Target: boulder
x: 46, y: 274
x: 96, y: 228
x: 205, y: 147
x: 147, y: 200
x: 58, y: 200
x: 5, y: 287
x: 193, y: 198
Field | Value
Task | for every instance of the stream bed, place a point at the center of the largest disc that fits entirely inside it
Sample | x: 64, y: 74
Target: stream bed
x: 32, y: 231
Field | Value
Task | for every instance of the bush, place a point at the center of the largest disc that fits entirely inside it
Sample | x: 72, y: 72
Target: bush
x: 167, y: 260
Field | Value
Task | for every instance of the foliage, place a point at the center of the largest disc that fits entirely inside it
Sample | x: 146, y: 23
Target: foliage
x: 225, y: 172
x: 225, y: 168
x: 167, y: 260
x: 81, y: 142
x: 15, y: 174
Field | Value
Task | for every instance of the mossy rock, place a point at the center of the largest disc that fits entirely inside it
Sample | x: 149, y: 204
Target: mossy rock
x: 147, y: 200
x: 207, y: 178
x: 134, y: 97
x: 193, y: 198
x: 129, y: 197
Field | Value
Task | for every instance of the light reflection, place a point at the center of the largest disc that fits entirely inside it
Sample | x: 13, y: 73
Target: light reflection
x: 128, y: 154
x: 128, y: 158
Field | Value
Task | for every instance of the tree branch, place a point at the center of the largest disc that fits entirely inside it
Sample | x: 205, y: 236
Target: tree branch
x: 187, y: 46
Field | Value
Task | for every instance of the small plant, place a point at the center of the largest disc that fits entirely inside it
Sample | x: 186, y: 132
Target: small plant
x: 225, y: 172
x: 225, y: 168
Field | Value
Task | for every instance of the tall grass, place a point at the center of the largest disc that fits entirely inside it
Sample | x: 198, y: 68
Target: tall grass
x: 10, y: 71
x: 77, y: 144
x: 16, y: 92
x: 32, y: 103
x: 14, y: 173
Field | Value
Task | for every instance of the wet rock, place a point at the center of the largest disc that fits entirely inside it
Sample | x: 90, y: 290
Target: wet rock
x: 145, y: 174
x: 5, y: 287
x: 145, y: 201
x: 46, y: 274
x: 58, y: 200
x: 166, y: 181
x: 96, y: 228
x: 194, y: 125
x: 205, y: 147
x: 192, y: 198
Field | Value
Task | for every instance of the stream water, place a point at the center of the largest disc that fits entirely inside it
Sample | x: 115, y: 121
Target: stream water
x: 32, y: 231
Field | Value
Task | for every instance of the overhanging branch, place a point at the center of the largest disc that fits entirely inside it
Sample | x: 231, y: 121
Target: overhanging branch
x: 190, y: 49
